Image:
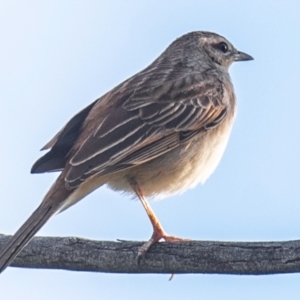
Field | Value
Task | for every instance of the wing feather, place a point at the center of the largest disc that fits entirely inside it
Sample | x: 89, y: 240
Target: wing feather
x: 148, y: 124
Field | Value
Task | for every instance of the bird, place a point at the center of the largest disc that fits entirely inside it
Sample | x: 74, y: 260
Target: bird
x: 158, y: 133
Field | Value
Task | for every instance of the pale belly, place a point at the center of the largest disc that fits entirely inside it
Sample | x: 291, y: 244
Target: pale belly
x: 180, y: 169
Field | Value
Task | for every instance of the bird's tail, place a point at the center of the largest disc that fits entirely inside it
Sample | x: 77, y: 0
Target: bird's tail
x: 39, y: 217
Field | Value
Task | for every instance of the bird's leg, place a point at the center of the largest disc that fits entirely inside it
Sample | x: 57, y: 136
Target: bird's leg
x: 158, y: 231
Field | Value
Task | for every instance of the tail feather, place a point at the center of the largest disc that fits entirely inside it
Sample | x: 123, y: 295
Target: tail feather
x: 14, y: 246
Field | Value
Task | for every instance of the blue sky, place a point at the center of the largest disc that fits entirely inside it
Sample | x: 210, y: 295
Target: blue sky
x: 56, y: 57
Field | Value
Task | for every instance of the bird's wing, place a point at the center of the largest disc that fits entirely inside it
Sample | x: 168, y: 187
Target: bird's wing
x: 61, y: 144
x: 147, y: 125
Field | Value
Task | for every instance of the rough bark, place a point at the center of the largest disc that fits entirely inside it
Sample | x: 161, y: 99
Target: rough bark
x: 208, y: 257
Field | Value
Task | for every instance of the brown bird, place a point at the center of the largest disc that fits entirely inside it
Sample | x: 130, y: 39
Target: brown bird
x: 160, y: 132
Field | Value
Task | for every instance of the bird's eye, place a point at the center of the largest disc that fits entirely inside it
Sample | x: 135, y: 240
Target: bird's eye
x: 222, y: 47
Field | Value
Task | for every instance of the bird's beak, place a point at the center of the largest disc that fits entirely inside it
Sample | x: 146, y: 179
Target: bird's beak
x: 240, y: 56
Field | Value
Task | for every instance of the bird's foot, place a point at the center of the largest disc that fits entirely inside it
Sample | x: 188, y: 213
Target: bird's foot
x: 157, y: 235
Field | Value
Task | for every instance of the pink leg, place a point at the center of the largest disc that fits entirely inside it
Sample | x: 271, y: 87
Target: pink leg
x: 158, y: 231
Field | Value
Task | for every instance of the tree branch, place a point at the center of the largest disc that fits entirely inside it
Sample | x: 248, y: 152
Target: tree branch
x: 180, y: 257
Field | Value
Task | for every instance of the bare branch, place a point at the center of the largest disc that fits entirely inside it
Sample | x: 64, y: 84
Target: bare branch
x: 180, y: 257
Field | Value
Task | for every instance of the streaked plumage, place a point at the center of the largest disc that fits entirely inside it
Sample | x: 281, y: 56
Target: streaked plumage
x: 160, y: 132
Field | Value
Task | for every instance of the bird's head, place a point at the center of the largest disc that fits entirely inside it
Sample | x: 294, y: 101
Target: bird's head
x: 203, y: 49
x: 220, y: 50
